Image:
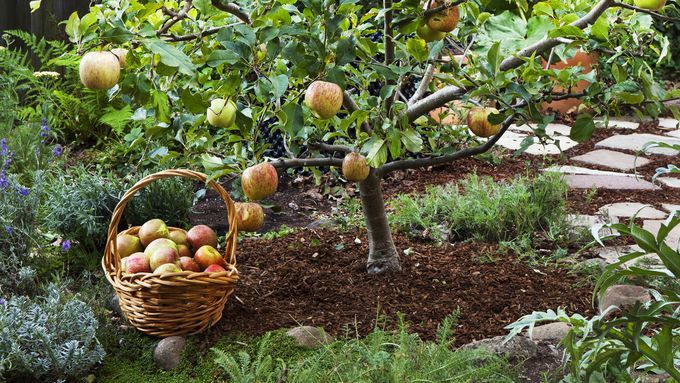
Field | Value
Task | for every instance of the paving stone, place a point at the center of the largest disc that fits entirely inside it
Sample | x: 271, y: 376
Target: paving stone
x: 669, y: 123
x: 613, y: 253
x: 653, y: 226
x: 623, y: 296
x: 582, y: 220
x: 670, y: 182
x: 586, y: 181
x: 630, y: 209
x: 617, y: 124
x: 674, y: 133
x: 612, y: 159
x: 567, y: 169
x: 670, y: 207
x: 550, y: 129
x: 637, y: 141
x: 513, y: 140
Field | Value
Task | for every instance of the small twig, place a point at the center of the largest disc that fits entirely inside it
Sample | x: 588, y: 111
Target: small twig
x: 432, y: 11
x: 350, y: 105
x: 232, y: 8
x: 329, y: 148
x: 175, y: 17
x: 424, y: 84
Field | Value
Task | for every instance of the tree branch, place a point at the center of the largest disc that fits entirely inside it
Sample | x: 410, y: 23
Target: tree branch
x: 647, y: 11
x: 450, y: 93
x: 352, y: 106
x: 432, y: 11
x: 312, y: 162
x: 231, y: 8
x: 467, y: 152
x: 424, y: 83
x: 194, y: 36
x: 329, y: 148
x: 176, y: 17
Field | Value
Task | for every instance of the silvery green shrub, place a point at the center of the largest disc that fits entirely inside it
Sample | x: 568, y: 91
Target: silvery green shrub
x: 47, y: 339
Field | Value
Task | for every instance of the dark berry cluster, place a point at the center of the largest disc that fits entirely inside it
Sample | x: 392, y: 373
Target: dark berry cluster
x: 272, y: 137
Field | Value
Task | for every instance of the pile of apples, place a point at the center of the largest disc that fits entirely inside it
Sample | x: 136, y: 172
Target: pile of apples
x: 158, y: 250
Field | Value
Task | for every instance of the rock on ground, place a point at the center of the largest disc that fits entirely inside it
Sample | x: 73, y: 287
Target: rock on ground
x: 168, y: 352
x: 309, y: 336
x: 623, y: 296
x: 551, y: 332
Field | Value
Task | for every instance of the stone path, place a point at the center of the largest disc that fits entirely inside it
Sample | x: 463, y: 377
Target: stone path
x: 610, y: 153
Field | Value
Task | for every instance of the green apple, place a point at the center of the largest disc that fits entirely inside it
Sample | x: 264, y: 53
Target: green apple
x: 478, y: 122
x: 428, y: 34
x: 222, y: 113
x: 650, y: 4
x: 99, y: 70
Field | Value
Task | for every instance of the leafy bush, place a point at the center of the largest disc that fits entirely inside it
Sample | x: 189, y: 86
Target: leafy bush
x: 484, y: 210
x: 47, y: 339
x: 382, y: 356
x: 642, y: 337
x: 170, y: 199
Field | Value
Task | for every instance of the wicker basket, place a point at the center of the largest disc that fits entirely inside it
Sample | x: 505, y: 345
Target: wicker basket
x: 174, y: 303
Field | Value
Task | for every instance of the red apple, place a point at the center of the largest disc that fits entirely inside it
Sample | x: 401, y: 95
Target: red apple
x: 159, y: 243
x: 184, y: 251
x: 99, y: 70
x: 355, y: 167
x: 127, y: 244
x: 167, y: 268
x: 163, y: 255
x: 137, y: 263
x: 249, y: 216
x: 153, y: 229
x: 259, y: 181
x: 478, y: 121
x: 201, y: 235
x: 206, y: 256
x: 122, y: 263
x: 179, y: 237
x: 443, y: 21
x: 188, y: 264
x: 324, y: 99
x: 214, y: 268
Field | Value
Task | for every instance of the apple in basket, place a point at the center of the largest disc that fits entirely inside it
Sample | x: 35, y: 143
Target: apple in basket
x: 167, y: 268
x: 184, y: 251
x: 158, y: 244
x: 127, y: 245
x: 179, y: 237
x: 206, y: 256
x: 137, y: 263
x: 162, y: 256
x: 214, y: 268
x: 153, y: 229
x: 201, y: 235
x: 188, y: 264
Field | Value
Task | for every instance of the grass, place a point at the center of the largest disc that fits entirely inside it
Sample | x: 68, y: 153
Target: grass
x: 485, y: 210
x: 382, y: 356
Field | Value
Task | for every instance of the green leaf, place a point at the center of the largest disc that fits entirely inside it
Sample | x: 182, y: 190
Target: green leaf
x: 494, y: 57
x: 583, y: 128
x: 411, y: 140
x: 644, y: 239
x: 346, y: 52
x: 600, y: 29
x: 376, y: 150
x: 194, y: 101
x: 295, y: 119
x: 222, y: 56
x: 171, y: 56
x: 417, y: 48
x: 279, y: 85
x: 117, y: 33
x: 513, y: 32
x: 34, y: 5
x: 567, y: 30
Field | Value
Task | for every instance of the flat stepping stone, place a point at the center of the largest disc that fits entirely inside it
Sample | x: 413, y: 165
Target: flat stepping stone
x: 630, y: 209
x: 612, y: 159
x: 513, y: 140
x: 617, y: 124
x: 567, y: 169
x: 636, y: 142
x: 612, y: 254
x: 584, y: 220
x: 670, y: 182
x: 550, y: 129
x: 586, y: 181
x: 674, y: 133
x: 669, y: 123
x: 653, y: 226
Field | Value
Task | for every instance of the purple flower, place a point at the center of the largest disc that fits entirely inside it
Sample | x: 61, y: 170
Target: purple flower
x: 3, y: 147
x: 23, y: 191
x: 9, y: 230
x: 4, y: 184
x: 3, y: 301
x: 66, y: 245
x: 57, y: 150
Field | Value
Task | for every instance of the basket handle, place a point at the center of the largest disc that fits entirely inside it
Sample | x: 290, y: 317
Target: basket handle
x: 230, y: 249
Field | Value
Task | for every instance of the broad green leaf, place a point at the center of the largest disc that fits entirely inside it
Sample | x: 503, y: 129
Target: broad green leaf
x: 376, y: 150
x: 171, y: 56
x: 346, y: 52
x: 34, y: 5
x: 583, y: 128
x: 279, y: 85
x: 194, y: 101
x: 295, y: 119
x: 600, y: 29
x: 494, y: 58
x: 567, y: 30
x: 411, y: 140
x: 513, y: 32
x: 73, y: 28
x: 417, y: 48
x: 219, y: 57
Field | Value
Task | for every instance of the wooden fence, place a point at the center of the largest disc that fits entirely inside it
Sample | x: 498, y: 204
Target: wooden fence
x: 16, y: 14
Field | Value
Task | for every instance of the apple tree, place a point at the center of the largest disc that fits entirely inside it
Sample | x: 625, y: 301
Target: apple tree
x: 392, y: 68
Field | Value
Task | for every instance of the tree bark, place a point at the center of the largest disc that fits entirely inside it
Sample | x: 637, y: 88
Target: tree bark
x: 382, y: 254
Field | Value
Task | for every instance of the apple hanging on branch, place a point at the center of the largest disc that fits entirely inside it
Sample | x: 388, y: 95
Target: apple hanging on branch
x: 99, y: 70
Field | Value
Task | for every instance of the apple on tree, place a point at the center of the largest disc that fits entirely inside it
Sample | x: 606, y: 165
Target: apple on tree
x: 259, y: 181
x: 221, y: 113
x: 99, y: 70
x: 428, y: 34
x: 355, y: 167
x: 121, y: 54
x: 650, y: 4
x: 324, y: 99
x: 445, y: 20
x: 478, y: 121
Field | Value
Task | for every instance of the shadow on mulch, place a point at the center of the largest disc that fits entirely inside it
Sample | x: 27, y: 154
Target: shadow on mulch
x: 318, y: 278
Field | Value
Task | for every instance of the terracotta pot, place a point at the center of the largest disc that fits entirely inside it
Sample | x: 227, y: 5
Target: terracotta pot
x: 588, y: 60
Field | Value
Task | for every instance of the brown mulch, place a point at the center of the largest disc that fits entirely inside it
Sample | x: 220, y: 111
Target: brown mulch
x: 319, y: 278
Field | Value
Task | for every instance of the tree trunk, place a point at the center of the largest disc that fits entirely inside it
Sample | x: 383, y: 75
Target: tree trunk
x: 382, y: 254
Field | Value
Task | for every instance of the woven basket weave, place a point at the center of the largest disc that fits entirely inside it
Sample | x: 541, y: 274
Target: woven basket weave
x: 173, y: 303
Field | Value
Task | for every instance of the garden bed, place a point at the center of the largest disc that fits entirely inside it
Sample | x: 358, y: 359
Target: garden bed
x: 319, y: 278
